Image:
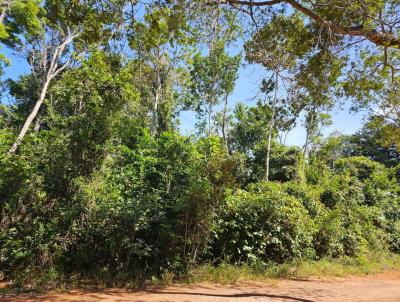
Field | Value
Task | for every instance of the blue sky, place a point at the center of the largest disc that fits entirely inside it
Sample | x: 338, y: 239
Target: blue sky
x: 343, y: 121
x: 246, y: 89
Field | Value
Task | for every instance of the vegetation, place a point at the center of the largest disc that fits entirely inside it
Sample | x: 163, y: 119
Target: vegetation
x: 98, y: 182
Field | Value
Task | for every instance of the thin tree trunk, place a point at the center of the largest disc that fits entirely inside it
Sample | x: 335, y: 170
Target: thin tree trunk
x: 157, y: 96
x: 5, y: 5
x: 268, y: 157
x: 308, y: 136
x: 224, y: 124
x: 36, y: 128
x: 214, y: 33
x: 209, y: 117
x: 305, y: 149
x: 31, y: 117
x: 154, y: 116
x: 53, y: 70
x: 271, y: 128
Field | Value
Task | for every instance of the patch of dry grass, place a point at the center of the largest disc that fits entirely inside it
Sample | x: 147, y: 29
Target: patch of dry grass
x: 363, y: 265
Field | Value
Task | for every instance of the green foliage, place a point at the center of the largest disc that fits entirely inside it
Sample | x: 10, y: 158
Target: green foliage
x: 345, y: 216
x: 212, y: 77
x: 249, y: 135
x: 263, y: 224
x: 105, y: 186
x: 369, y: 142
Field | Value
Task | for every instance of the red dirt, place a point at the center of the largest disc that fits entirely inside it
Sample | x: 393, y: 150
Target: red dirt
x: 378, y: 288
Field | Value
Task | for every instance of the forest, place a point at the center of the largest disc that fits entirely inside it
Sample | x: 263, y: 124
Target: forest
x: 100, y: 179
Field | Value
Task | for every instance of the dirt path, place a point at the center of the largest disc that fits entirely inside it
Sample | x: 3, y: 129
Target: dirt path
x: 378, y: 288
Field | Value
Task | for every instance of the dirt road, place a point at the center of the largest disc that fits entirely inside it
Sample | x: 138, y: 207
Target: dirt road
x: 378, y: 288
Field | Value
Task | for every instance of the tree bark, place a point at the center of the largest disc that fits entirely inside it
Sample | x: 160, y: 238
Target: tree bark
x: 268, y: 157
x: 224, y: 124
x: 52, y: 71
x: 36, y: 128
x: 310, y: 126
x: 158, y: 89
x: 154, y: 116
x: 31, y: 116
x: 210, y: 116
x: 271, y: 128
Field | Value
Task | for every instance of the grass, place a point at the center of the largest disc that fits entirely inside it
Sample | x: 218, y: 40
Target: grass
x: 302, y: 269
x: 226, y: 273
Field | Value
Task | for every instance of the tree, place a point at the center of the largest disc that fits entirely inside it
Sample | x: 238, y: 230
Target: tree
x: 213, y: 77
x: 307, y: 69
x: 51, y: 70
x: 273, y: 49
x: 370, y: 141
x: 359, y: 42
x: 54, y: 49
x: 375, y: 21
x: 315, y: 122
x: 161, y: 42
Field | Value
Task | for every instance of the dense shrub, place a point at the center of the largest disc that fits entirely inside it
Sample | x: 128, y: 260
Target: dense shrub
x: 105, y: 198
x: 335, y: 218
x: 264, y: 223
x: 98, y: 181
x: 149, y: 207
x: 309, y: 195
x: 347, y: 230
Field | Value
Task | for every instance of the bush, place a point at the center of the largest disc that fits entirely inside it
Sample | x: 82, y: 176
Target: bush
x: 148, y: 209
x: 347, y: 231
x: 263, y: 224
x: 309, y: 195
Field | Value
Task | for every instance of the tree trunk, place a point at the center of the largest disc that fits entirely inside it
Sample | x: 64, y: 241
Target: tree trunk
x: 156, y: 102
x: 154, y: 116
x: 51, y: 72
x: 224, y: 124
x: 305, y: 149
x: 31, y: 117
x: 36, y: 128
x: 267, y: 159
x: 209, y: 116
x: 271, y: 128
x: 5, y: 5
x: 310, y: 127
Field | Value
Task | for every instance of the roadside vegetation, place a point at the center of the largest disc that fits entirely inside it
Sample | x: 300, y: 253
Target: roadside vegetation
x: 100, y: 186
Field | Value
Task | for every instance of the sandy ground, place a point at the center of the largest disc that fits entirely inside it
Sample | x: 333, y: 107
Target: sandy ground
x: 377, y: 288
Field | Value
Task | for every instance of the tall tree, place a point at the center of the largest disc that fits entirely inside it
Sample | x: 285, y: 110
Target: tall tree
x: 278, y: 53
x: 213, y: 78
x: 315, y: 122
x: 162, y: 41
x: 67, y: 31
x: 362, y: 36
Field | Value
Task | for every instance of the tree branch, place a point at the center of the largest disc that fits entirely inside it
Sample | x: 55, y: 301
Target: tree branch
x: 252, y: 3
x: 377, y: 37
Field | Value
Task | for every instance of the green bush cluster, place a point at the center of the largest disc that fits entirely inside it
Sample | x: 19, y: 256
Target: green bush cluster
x: 148, y: 208
x: 352, y: 210
x: 157, y: 205
x: 92, y: 194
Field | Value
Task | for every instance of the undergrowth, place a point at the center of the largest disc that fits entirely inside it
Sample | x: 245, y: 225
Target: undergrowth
x: 223, y: 273
x: 301, y: 269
